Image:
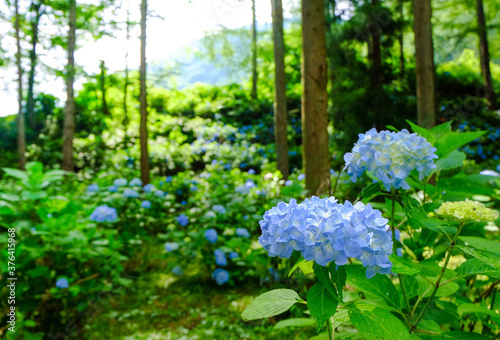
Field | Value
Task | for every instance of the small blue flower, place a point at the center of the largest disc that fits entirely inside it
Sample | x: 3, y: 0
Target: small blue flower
x: 136, y: 182
x: 183, y: 220
x: 49, y: 215
x: 242, y: 232
x: 93, y: 188
x: 251, y: 172
x: 301, y: 177
x: 113, y: 188
x: 146, y: 204
x: 179, y: 191
x: 159, y: 193
x: 171, y: 246
x: 232, y: 255
x: 211, y: 235
x: 161, y: 182
x: 149, y: 188
x: 242, y: 189
x: 130, y: 193
x: 62, y: 283
x: 183, y: 202
x: 168, y: 179
x: 288, y: 183
x: 219, y: 209
x: 177, y: 270
x: 246, y: 217
x: 220, y: 258
x: 104, y: 213
x: 220, y: 276
x: 250, y: 184
x: 120, y: 182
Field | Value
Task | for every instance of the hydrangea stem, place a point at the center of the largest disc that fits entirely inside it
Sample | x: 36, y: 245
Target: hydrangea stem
x: 441, y: 275
x: 331, y: 330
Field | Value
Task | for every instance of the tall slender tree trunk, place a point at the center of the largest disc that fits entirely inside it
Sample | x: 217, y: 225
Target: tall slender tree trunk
x: 400, y: 40
x: 424, y: 60
x: 315, y: 154
x: 105, y: 108
x: 280, y: 111
x: 254, y: 52
x: 21, y: 136
x: 484, y: 55
x: 143, y: 99
x: 36, y: 7
x: 69, y: 109
x: 125, y: 88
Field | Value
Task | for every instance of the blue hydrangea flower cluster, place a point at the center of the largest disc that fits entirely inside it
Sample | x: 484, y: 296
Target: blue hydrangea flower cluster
x: 326, y: 231
x: 93, y: 188
x: 120, y: 182
x: 219, y: 209
x: 243, y: 232
x: 130, y: 193
x: 177, y: 270
x: 149, y: 188
x: 62, y: 283
x: 136, y: 182
x: 183, y: 220
x: 146, y: 204
x: 220, y: 258
x: 391, y: 156
x: 104, y: 213
x: 220, y: 276
x: 211, y: 235
x: 171, y: 246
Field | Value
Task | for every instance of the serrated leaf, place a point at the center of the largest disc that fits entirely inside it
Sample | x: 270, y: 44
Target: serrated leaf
x: 429, y: 325
x: 477, y: 267
x: 488, y: 258
x: 422, y: 132
x: 322, y: 305
x: 469, y: 308
x: 339, y: 277
x: 481, y: 243
x: 340, y: 317
x: 403, y: 266
x: 323, y: 275
x: 425, y: 289
x: 371, y: 191
x: 295, y: 322
x: 271, y: 303
x: 453, y: 140
x: 441, y: 129
x: 379, y: 286
x: 454, y: 160
x: 375, y: 323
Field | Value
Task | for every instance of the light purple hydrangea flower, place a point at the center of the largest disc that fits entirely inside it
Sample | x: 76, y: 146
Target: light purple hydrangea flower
x: 219, y: 209
x: 136, y: 182
x: 183, y: 220
x: 326, y: 231
x: 149, y: 187
x: 242, y: 232
x: 220, y: 258
x: 130, y: 193
x: 62, y: 283
x: 93, y: 188
x: 104, y: 213
x: 301, y: 177
x: 146, y: 204
x: 391, y: 156
x: 159, y: 193
x: 113, y: 188
x: 288, y: 182
x: 251, y: 172
x: 120, y: 182
x: 171, y: 246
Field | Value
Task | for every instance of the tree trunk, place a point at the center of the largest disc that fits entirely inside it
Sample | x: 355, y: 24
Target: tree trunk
x: 30, y: 102
x: 484, y: 54
x: 315, y: 152
x: 280, y: 111
x: 21, y: 136
x: 125, y: 88
x: 105, y: 108
x: 254, y: 52
x: 69, y: 109
x: 401, y: 42
x: 424, y: 60
x: 143, y: 100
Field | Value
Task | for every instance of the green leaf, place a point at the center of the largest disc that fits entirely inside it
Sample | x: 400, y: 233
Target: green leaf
x: 403, y: 266
x: 488, y: 258
x: 375, y: 323
x: 455, y: 335
x: 371, y: 191
x: 481, y: 243
x: 441, y: 129
x: 339, y: 277
x: 454, y: 160
x: 469, y: 308
x: 271, y: 303
x: 429, y: 325
x: 379, y: 286
x: 9, y: 197
x: 425, y: 289
x: 323, y: 276
x: 306, y: 267
x: 340, y: 317
x: 19, y: 174
x: 422, y: 132
x: 296, y: 265
x: 453, y: 140
x: 477, y: 267
x: 321, y: 303
x: 295, y: 322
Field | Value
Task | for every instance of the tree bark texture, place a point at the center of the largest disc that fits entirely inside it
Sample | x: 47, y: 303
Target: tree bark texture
x: 143, y: 130
x: 21, y: 135
x: 424, y: 60
x: 315, y: 153
x: 69, y: 109
x: 280, y: 110
x: 484, y: 55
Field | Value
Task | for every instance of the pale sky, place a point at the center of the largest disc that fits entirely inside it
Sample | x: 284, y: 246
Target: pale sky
x: 181, y: 22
